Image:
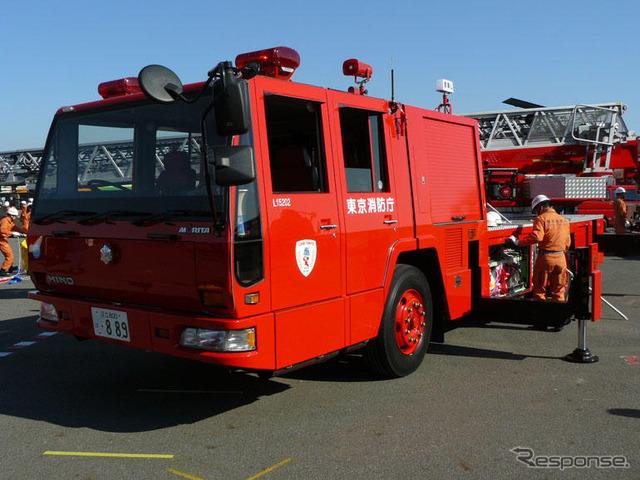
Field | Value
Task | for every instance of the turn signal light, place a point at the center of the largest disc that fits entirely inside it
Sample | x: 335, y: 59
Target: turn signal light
x: 277, y: 62
x: 116, y: 88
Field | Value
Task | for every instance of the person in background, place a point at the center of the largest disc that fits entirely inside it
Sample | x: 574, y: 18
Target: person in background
x: 620, y: 211
x: 25, y: 216
x: 178, y: 177
x: 552, y: 233
x: 7, y: 227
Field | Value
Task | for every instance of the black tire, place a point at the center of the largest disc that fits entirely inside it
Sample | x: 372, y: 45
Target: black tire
x: 406, y: 325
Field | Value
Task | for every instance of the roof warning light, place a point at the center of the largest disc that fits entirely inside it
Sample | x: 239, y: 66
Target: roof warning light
x: 115, y: 88
x: 277, y: 62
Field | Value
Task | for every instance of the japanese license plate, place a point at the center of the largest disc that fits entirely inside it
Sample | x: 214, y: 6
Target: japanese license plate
x: 110, y: 324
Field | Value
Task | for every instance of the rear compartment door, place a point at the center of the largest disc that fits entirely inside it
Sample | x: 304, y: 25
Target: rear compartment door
x: 447, y: 183
x: 449, y: 147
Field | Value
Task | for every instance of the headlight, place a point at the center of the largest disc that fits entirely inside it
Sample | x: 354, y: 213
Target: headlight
x: 219, y: 340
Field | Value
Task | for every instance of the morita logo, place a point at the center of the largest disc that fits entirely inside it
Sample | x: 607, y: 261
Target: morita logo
x: 57, y: 279
x: 191, y: 229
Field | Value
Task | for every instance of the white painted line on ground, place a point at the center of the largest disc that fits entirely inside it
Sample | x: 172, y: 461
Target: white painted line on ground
x: 22, y: 344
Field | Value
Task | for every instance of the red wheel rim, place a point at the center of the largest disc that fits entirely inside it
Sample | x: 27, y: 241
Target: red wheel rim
x: 409, y: 321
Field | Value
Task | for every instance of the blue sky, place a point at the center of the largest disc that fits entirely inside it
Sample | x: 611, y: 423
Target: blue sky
x: 555, y: 53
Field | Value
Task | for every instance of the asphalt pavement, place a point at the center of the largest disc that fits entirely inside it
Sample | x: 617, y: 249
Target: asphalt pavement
x: 495, y: 401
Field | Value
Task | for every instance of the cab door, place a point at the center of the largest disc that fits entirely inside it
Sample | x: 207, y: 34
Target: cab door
x: 304, y: 234
x: 369, y: 204
x: 367, y: 190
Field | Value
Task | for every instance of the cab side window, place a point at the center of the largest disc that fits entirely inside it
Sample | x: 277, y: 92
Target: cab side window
x: 294, y: 132
x: 365, y: 157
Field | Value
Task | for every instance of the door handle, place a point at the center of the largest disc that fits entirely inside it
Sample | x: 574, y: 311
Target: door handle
x: 328, y: 227
x: 390, y: 222
x: 458, y: 219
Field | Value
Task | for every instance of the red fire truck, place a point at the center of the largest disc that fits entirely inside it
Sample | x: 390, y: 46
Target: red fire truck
x: 256, y: 223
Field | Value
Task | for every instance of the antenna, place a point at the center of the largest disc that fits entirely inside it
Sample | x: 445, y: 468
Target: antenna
x: 393, y: 106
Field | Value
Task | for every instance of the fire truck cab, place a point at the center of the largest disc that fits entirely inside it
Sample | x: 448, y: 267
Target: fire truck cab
x: 257, y: 223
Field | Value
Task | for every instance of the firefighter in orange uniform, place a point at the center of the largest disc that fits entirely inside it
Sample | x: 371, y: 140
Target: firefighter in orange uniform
x: 552, y: 233
x: 7, y: 226
x: 25, y: 217
x: 620, y: 211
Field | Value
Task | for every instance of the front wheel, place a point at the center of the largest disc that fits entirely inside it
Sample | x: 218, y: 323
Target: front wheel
x: 405, y: 329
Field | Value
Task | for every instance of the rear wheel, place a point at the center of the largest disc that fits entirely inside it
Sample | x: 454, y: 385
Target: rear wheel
x: 406, y: 325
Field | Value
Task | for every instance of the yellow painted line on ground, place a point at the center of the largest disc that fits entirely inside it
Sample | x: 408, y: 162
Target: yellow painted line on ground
x: 185, y: 475
x: 96, y: 454
x: 269, y: 469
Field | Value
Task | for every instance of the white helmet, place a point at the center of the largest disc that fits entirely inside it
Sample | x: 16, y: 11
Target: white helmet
x: 537, y: 201
x: 493, y: 219
x: 12, y: 211
x: 619, y: 190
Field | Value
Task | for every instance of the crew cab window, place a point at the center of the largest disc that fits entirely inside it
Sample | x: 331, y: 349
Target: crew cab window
x: 296, y: 155
x: 107, y: 160
x: 130, y: 161
x: 363, y: 148
x: 178, y: 165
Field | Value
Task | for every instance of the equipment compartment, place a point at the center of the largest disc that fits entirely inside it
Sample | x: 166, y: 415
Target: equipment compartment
x: 510, y: 270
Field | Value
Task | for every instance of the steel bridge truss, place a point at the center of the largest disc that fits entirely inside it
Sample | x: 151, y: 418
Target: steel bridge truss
x: 116, y: 158
x: 20, y: 168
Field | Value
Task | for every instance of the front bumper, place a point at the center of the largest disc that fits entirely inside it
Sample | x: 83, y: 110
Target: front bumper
x: 159, y: 330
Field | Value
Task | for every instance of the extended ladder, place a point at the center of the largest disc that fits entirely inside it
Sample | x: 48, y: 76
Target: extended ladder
x: 597, y: 127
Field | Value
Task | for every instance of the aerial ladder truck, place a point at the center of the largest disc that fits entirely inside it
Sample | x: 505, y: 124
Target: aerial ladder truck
x: 576, y: 155
x: 569, y: 153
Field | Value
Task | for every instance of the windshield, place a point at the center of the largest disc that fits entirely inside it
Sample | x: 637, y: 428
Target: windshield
x: 133, y: 162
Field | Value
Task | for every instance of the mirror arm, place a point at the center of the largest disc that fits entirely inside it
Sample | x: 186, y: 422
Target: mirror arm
x: 207, y: 174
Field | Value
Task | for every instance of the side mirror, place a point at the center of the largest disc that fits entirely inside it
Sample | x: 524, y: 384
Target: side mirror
x: 234, y: 165
x: 231, y: 103
x: 160, y: 84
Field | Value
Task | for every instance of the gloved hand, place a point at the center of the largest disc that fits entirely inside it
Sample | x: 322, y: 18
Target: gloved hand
x: 512, y: 240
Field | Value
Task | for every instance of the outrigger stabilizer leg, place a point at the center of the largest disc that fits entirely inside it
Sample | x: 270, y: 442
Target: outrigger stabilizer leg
x: 582, y: 353
x: 583, y: 315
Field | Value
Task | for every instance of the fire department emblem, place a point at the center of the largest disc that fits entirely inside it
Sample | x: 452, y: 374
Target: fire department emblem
x: 106, y: 255
x: 306, y: 251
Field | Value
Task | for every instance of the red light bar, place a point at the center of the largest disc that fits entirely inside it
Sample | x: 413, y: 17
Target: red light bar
x: 277, y: 62
x: 115, y: 88
x: 355, y: 68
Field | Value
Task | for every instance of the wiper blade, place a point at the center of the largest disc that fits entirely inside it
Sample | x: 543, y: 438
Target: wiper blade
x: 52, y: 217
x: 170, y: 214
x: 109, y: 214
